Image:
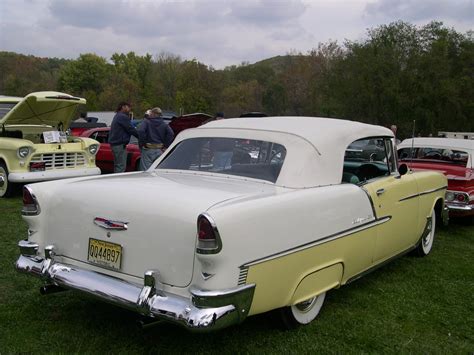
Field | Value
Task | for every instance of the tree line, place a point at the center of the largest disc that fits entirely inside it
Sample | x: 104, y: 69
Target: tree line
x: 397, y: 74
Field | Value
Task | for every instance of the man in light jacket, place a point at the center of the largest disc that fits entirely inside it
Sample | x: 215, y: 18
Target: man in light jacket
x: 154, y: 136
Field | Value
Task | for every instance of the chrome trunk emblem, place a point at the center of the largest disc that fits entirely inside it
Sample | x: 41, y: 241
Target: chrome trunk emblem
x: 108, y: 224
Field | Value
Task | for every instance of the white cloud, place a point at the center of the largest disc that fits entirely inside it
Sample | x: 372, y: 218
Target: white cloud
x: 218, y: 33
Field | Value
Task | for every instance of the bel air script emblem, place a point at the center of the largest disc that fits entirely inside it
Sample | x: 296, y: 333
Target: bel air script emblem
x: 108, y: 224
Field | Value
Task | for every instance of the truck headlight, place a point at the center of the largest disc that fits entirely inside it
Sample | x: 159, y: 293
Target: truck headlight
x: 93, y: 149
x: 23, y: 152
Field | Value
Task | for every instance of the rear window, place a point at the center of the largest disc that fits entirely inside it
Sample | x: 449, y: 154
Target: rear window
x: 243, y: 157
x: 443, y: 155
x: 5, y: 107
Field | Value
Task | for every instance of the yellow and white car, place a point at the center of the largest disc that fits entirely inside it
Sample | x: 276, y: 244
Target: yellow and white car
x: 237, y: 217
x: 25, y: 156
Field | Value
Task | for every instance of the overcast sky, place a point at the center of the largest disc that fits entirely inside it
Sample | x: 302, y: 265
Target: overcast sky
x: 217, y: 33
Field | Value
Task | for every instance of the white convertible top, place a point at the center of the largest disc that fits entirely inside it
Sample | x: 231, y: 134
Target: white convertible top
x: 315, y: 145
x: 321, y: 132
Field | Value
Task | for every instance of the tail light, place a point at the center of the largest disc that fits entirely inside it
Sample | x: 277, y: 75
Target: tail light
x: 30, y: 203
x: 459, y: 197
x: 209, y: 240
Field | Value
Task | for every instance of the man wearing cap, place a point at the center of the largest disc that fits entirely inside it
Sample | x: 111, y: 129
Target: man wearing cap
x: 120, y: 132
x: 154, y: 135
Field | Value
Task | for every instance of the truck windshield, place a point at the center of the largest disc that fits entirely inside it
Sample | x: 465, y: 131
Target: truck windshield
x: 243, y: 157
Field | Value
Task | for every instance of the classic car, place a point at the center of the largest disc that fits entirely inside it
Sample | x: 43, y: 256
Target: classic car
x: 190, y: 120
x: 450, y: 156
x: 33, y: 146
x: 205, y: 244
x: 104, y: 158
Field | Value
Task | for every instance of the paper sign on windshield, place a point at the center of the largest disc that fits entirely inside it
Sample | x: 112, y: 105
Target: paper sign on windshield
x: 54, y: 137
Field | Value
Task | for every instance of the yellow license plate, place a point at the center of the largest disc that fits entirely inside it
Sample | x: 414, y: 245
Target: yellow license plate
x: 104, y: 253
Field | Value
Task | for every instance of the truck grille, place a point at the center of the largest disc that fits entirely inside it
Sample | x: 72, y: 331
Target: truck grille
x: 60, y: 160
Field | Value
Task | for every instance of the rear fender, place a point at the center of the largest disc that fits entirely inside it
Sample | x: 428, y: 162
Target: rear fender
x: 318, y: 282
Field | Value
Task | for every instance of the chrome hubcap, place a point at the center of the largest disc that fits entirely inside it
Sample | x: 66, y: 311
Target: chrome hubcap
x: 2, y: 180
x: 427, y: 239
x: 305, y: 306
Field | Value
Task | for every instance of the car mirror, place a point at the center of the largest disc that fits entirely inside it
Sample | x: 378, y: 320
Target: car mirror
x: 403, y: 169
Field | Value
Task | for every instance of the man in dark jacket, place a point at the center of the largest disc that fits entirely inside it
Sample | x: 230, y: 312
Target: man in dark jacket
x: 154, y: 136
x: 120, y: 132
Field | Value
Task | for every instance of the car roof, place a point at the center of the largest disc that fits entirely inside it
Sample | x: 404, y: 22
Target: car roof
x: 455, y: 143
x: 315, y: 145
x: 320, y: 131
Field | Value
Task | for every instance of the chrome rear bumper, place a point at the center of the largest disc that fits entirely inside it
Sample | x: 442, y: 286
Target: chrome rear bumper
x: 460, y: 210
x: 202, y: 311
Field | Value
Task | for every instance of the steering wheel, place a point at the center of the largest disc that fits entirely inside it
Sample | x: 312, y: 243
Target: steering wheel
x: 367, y: 172
x: 433, y: 154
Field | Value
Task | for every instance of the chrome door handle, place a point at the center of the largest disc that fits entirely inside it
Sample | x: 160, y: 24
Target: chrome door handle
x: 380, y: 191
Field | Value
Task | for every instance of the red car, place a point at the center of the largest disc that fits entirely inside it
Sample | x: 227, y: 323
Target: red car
x: 191, y: 120
x: 453, y: 158
x: 104, y: 157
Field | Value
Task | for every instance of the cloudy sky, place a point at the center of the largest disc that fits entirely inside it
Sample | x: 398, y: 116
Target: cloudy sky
x: 215, y: 32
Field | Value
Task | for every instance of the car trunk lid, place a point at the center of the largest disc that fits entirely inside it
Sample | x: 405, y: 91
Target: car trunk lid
x: 160, y: 213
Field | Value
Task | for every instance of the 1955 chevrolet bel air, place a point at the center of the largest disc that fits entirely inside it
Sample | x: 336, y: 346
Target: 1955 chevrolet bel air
x: 238, y: 217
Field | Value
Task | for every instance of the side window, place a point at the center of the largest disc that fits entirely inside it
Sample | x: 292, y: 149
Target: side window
x: 368, y: 158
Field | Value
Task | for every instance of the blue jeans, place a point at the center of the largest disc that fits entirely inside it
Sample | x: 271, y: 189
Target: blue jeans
x: 120, y: 157
x: 222, y: 160
x: 148, y: 157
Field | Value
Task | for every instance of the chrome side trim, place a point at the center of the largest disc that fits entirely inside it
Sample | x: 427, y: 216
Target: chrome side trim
x: 371, y: 202
x: 203, y: 310
x: 422, y: 193
x: 319, y: 241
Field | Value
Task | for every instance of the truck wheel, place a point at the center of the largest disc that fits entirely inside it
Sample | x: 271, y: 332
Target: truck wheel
x: 6, y: 187
x: 302, y: 313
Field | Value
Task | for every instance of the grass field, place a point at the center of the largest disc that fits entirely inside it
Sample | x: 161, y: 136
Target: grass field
x: 411, y: 305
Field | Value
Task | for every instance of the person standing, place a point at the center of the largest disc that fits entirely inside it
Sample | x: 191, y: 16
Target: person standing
x: 120, y: 132
x: 394, y: 129
x: 154, y: 135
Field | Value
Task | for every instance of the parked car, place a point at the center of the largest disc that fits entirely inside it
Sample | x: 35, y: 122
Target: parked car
x: 204, y: 242
x: 450, y: 156
x: 77, y: 128
x: 190, y: 120
x: 33, y: 145
x: 105, y: 158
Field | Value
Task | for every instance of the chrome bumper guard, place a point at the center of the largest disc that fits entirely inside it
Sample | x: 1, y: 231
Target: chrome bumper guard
x: 203, y: 311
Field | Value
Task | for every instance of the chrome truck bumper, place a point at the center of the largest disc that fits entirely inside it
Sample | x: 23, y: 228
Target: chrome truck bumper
x: 202, y: 311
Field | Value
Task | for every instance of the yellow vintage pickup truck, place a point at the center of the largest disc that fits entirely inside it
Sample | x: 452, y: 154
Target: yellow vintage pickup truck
x: 33, y: 146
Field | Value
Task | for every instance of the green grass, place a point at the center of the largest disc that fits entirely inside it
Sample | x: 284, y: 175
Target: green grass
x: 418, y: 305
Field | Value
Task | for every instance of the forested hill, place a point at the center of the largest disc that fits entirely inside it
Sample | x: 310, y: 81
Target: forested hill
x: 397, y: 74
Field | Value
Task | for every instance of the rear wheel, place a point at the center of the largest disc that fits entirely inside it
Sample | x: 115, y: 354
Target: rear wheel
x: 6, y: 187
x: 426, y: 242
x: 302, y: 313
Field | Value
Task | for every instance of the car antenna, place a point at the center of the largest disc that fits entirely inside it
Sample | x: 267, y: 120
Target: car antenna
x: 412, y: 143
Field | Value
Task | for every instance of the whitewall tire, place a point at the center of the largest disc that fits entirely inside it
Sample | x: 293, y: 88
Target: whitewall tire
x: 426, y: 242
x: 302, y: 313
x: 6, y: 187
